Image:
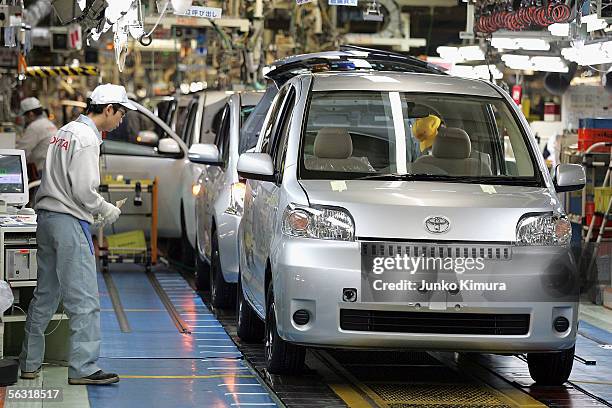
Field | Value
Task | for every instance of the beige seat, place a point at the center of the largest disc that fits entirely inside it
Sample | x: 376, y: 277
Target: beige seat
x: 333, y: 150
x: 452, y: 153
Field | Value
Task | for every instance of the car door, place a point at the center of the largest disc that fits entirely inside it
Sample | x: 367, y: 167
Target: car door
x: 251, y: 220
x: 213, y: 178
x: 267, y: 194
x: 123, y: 155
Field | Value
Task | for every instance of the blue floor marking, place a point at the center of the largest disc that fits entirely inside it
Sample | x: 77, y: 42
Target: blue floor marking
x: 156, y: 348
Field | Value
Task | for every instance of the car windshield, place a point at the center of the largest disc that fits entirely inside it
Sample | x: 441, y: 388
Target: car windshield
x: 395, y: 135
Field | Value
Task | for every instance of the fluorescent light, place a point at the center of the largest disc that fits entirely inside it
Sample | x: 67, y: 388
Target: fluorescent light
x: 590, y: 54
x: 559, y: 29
x: 461, y: 54
x: 476, y: 72
x: 532, y: 44
x: 525, y: 62
x: 593, y: 23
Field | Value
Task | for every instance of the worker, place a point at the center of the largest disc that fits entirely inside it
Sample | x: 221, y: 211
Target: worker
x: 38, y: 131
x: 66, y: 204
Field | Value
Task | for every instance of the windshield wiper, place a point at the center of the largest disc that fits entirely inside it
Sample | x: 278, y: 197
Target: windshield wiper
x: 404, y: 177
x: 519, y: 181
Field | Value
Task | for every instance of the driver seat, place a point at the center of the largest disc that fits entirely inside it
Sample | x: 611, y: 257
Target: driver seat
x: 333, y: 150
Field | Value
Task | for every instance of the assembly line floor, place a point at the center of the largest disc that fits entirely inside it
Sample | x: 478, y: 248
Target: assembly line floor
x: 171, y: 350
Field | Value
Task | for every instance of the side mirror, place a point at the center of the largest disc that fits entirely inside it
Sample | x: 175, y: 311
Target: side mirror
x: 147, y: 137
x: 256, y: 166
x: 205, y: 154
x: 169, y: 146
x: 569, y: 177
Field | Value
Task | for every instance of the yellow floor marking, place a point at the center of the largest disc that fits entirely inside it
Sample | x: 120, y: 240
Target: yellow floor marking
x: 348, y: 394
x: 186, y: 377
x: 354, y: 389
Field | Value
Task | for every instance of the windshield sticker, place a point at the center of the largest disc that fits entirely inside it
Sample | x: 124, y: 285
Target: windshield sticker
x: 380, y: 78
x: 338, y: 185
x: 488, y: 189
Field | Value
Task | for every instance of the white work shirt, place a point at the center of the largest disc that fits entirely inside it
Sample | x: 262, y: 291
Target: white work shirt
x: 35, y: 141
x: 71, y: 175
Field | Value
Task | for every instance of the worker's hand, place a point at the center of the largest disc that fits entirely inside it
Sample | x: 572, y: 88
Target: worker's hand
x: 110, y: 213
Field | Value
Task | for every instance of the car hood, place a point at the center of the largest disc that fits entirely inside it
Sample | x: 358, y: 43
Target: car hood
x: 398, y: 209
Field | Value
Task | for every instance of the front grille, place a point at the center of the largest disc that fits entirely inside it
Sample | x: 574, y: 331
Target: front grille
x: 437, y: 250
x: 437, y: 323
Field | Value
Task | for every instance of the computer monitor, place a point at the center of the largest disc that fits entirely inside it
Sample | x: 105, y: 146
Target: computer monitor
x: 13, y: 177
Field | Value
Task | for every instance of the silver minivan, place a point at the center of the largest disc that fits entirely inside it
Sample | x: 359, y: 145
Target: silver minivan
x: 405, y: 211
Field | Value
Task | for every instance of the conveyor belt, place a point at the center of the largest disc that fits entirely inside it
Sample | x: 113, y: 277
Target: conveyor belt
x: 415, y: 379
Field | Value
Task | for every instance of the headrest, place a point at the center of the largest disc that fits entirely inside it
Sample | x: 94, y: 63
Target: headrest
x: 425, y: 130
x: 452, y: 143
x: 333, y: 143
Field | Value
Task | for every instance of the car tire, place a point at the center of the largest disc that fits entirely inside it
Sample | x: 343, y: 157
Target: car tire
x: 249, y: 327
x: 202, y: 272
x: 187, y: 254
x: 551, y: 368
x: 222, y: 294
x: 281, y: 357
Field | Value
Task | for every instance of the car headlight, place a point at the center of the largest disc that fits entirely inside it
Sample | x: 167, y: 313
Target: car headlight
x: 318, y: 222
x: 236, y: 198
x: 544, y: 230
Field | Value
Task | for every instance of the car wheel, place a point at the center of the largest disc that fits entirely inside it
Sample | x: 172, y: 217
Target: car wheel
x: 222, y: 294
x: 551, y: 368
x: 202, y: 272
x: 187, y: 253
x: 249, y: 327
x: 281, y: 357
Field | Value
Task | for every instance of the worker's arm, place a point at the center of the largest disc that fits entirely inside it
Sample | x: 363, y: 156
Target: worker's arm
x: 84, y: 176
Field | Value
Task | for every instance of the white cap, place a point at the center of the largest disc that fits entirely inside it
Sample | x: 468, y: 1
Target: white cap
x: 109, y: 93
x: 29, y: 104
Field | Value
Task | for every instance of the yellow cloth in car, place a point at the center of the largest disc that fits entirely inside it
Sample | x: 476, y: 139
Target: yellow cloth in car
x: 425, y: 130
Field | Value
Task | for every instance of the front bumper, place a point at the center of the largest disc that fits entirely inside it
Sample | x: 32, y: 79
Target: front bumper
x: 311, y: 274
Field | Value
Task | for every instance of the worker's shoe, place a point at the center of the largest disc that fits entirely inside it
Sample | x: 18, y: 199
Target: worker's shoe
x: 97, y: 378
x: 30, y: 375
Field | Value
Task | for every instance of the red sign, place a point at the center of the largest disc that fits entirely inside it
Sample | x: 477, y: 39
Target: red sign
x: 517, y: 94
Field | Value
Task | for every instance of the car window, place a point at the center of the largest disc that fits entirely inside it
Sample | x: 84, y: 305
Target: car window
x: 273, y: 116
x: 137, y: 135
x: 281, y: 133
x: 222, y: 136
x: 182, y: 113
x: 460, y: 138
x: 187, y: 134
x: 249, y: 132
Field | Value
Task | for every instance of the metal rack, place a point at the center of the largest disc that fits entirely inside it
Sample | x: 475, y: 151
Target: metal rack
x: 147, y: 255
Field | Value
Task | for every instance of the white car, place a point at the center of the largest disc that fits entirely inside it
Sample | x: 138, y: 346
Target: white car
x: 144, y: 146
x: 219, y: 202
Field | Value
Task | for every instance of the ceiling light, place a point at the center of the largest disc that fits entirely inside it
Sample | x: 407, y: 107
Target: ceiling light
x: 461, y: 54
x: 476, y: 72
x: 590, y: 54
x: 559, y: 29
x: 532, y: 44
x: 525, y: 62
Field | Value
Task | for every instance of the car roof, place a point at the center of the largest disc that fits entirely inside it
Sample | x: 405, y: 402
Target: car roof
x: 402, y: 82
x: 284, y: 69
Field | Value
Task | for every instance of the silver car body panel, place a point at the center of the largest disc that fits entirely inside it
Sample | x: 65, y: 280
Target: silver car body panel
x: 214, y: 199
x: 311, y: 274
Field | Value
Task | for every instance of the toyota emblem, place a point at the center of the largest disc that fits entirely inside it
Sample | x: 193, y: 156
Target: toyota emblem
x: 437, y: 224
